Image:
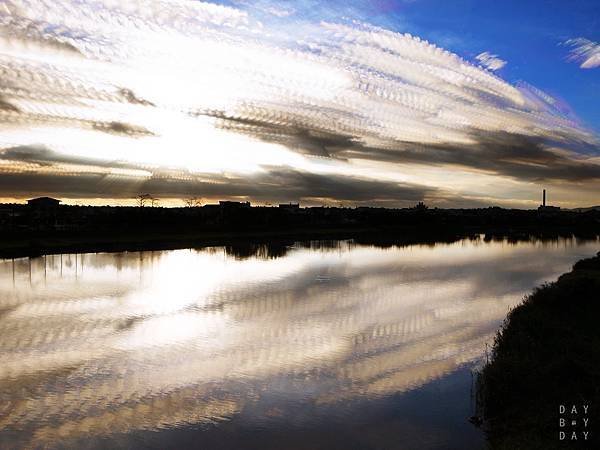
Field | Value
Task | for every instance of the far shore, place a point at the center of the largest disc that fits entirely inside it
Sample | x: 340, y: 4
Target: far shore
x: 34, y: 244
x: 45, y: 226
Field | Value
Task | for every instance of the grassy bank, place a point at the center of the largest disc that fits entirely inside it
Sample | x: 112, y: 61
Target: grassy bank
x: 547, y: 354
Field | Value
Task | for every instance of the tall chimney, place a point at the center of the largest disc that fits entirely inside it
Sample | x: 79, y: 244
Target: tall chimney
x: 544, y: 198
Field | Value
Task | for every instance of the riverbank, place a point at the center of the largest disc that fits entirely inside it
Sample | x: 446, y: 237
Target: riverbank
x: 547, y: 354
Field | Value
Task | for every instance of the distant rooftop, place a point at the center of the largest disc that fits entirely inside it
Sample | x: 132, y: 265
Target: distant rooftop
x: 231, y: 204
x: 43, y: 201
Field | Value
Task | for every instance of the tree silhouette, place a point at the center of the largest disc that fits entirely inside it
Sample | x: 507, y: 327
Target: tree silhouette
x: 143, y: 199
x: 420, y: 206
x: 192, y: 202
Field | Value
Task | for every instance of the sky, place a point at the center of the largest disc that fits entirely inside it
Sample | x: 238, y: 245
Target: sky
x: 354, y: 103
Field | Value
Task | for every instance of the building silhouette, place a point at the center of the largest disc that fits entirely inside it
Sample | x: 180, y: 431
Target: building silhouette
x: 43, y: 202
x: 545, y: 208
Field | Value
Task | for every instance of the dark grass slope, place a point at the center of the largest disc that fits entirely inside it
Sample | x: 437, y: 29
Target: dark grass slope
x: 546, y: 354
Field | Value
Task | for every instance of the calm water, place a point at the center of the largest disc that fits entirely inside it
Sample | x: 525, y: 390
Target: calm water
x: 317, y: 346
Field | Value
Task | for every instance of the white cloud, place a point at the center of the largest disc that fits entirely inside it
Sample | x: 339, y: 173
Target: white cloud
x: 280, y: 12
x: 585, y: 52
x: 490, y: 61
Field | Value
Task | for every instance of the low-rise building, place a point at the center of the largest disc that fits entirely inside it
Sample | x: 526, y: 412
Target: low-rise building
x: 43, y: 202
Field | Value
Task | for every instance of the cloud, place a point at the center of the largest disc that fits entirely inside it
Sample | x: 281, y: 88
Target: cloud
x: 116, y: 179
x: 490, y: 61
x: 121, y: 128
x: 191, y: 89
x: 7, y: 106
x: 520, y: 157
x: 585, y: 52
x: 43, y: 156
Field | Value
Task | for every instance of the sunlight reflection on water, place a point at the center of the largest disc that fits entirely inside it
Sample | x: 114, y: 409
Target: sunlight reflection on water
x: 100, y: 346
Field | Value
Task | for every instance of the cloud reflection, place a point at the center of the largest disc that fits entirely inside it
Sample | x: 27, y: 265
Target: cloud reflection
x: 101, y: 344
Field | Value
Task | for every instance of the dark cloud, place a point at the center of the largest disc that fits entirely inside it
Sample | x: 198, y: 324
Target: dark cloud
x: 130, y: 96
x: 294, y: 134
x: 7, y: 106
x: 113, y: 127
x: 122, y: 128
x: 272, y: 185
x: 518, y: 156
x: 37, y: 36
x: 289, y: 184
x: 43, y: 156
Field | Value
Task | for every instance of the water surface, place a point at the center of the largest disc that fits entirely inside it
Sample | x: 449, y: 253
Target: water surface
x: 320, y: 345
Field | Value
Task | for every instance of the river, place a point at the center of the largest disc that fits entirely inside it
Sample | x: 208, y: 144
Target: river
x: 316, y: 345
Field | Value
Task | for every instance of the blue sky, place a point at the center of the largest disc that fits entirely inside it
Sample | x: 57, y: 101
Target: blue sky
x: 527, y: 34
